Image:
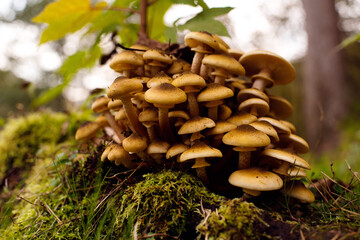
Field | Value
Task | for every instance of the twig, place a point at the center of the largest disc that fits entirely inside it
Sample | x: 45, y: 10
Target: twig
x: 52, y: 213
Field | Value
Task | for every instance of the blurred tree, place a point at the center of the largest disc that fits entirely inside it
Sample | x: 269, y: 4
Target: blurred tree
x: 324, y: 89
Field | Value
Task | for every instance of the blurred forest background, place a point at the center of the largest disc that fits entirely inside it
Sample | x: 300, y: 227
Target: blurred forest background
x: 326, y: 55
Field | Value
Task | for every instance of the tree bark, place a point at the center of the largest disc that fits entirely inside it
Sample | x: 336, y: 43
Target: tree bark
x: 324, y: 97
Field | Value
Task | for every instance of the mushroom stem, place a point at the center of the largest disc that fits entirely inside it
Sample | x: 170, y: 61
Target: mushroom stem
x: 126, y: 73
x: 213, y: 113
x: 196, y: 63
x: 220, y: 79
x: 244, y: 160
x: 204, y: 70
x: 193, y: 104
x: 259, y: 84
x: 165, y: 125
x: 118, y: 131
x: 131, y: 114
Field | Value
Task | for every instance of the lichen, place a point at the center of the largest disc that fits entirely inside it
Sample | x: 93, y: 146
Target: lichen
x: 234, y: 219
x: 163, y: 203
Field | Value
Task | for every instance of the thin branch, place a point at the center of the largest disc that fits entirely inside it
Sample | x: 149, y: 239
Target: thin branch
x: 143, y: 18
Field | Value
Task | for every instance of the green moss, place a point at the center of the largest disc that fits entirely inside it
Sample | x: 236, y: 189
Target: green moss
x: 22, y: 138
x: 233, y: 220
x: 163, y: 203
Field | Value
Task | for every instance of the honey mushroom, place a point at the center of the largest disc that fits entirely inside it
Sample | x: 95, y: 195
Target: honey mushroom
x: 126, y: 62
x: 123, y: 89
x: 156, y: 60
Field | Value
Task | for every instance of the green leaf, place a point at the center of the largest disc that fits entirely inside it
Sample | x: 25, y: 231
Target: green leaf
x: 75, y: 62
x: 129, y: 34
x: 170, y: 33
x: 193, y: 3
x: 204, y: 21
x: 66, y: 16
x: 156, y: 26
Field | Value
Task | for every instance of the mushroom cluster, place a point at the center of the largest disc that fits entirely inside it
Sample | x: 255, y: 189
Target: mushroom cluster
x: 215, y: 114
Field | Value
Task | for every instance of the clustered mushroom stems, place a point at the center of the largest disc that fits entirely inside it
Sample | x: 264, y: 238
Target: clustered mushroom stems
x: 226, y: 143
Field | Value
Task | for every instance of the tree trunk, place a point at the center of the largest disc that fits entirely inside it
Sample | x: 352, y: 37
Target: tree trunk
x: 324, y: 97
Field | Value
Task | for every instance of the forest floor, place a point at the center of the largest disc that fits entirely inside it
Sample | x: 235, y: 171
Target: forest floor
x: 63, y: 191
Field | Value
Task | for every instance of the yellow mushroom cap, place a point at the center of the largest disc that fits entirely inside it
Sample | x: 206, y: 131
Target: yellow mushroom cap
x: 134, y: 143
x: 124, y: 86
x: 224, y: 62
x: 87, y: 130
x: 100, y: 104
x: 201, y: 41
x: 246, y: 136
x: 214, y: 92
x: 165, y: 95
x: 126, y: 60
x: 299, y: 191
x: 176, y: 149
x: 199, y: 150
x: 242, y: 118
x: 157, y: 57
x: 256, y: 179
x: 282, y: 72
x: 287, y: 157
x: 280, y: 108
x: 189, y: 82
x: 196, y: 124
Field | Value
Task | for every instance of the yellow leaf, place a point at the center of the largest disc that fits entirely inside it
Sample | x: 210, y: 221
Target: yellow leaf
x: 66, y: 16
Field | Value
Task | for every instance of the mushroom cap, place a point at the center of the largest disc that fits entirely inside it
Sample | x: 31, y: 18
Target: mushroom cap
x: 224, y: 47
x: 134, y: 143
x: 114, y: 104
x: 196, y: 124
x: 279, y: 127
x: 282, y: 72
x: 256, y: 179
x: 280, y: 108
x: 189, y: 82
x: 261, y: 106
x: 158, y: 146
x: 296, y: 142
x: 140, y: 47
x: 87, y: 130
x: 224, y: 112
x: 176, y: 149
x: 299, y: 191
x: 126, y: 60
x: 199, y: 150
x: 165, y: 95
x: 106, y: 152
x: 242, y: 118
x: 149, y: 115
x: 247, y: 93
x: 214, y: 92
x: 124, y: 86
x: 100, y: 104
x: 292, y: 172
x: 287, y: 157
x: 220, y: 128
x: 289, y: 125
x: 246, y: 136
x: 179, y: 114
x: 159, y: 78
x: 178, y: 66
x: 157, y: 57
x: 236, y: 53
x: 197, y: 41
x: 225, y: 62
x: 118, y: 154
x: 266, y: 128
x: 102, y: 121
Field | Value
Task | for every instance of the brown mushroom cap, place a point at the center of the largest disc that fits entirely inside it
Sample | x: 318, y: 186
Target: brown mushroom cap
x: 296, y: 142
x: 287, y: 157
x: 299, y: 191
x: 279, y: 126
x: 201, y: 42
x: 220, y: 128
x: 236, y: 53
x: 246, y: 136
x: 266, y: 128
x: 159, y: 78
x: 280, y: 108
x: 100, y: 104
x: 224, y: 112
x: 165, y: 95
x: 102, y: 121
x: 178, y: 66
x: 134, y: 143
x: 261, y: 107
x: 126, y: 60
x: 256, y: 179
x: 247, y: 93
x: 289, y: 125
x: 282, y: 72
x: 199, y: 150
x: 114, y: 104
x: 157, y: 57
x: 118, y: 155
x: 176, y: 149
x: 214, y: 92
x: 196, y: 124
x: 157, y: 146
x: 86, y: 131
x: 224, y: 47
x: 189, y: 82
x: 225, y: 62
x: 242, y: 118
x: 124, y: 86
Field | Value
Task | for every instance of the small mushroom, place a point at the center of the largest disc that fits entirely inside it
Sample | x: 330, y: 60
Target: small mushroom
x: 86, y: 131
x: 125, y: 62
x: 298, y: 190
